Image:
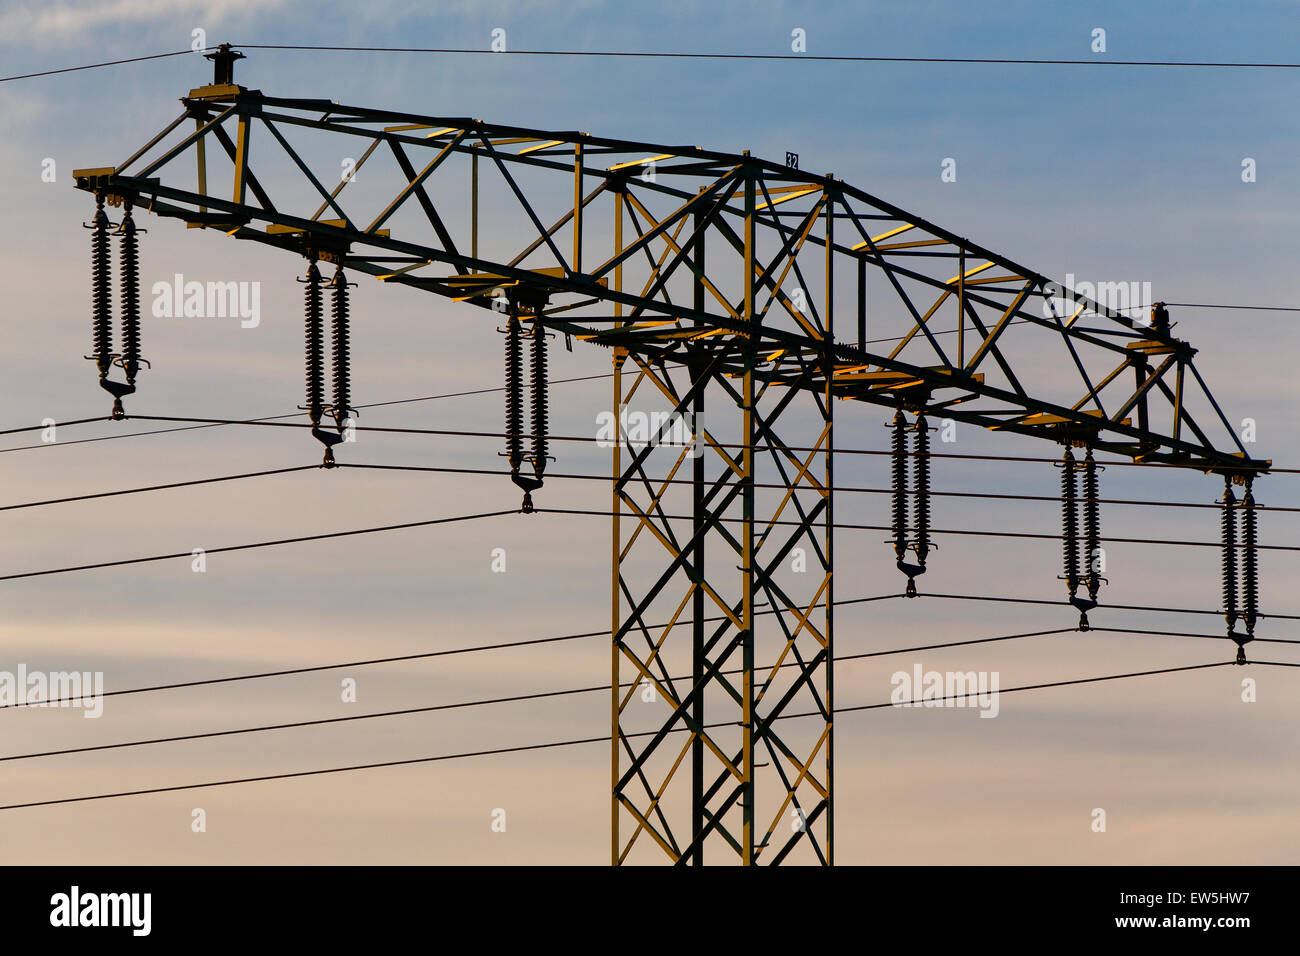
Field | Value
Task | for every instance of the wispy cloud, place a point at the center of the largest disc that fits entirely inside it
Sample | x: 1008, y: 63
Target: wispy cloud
x: 72, y: 21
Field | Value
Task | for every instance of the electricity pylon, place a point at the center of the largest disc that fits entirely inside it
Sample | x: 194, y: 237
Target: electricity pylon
x: 720, y: 283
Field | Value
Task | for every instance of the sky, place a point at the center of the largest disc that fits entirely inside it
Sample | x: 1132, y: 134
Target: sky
x: 1103, y: 173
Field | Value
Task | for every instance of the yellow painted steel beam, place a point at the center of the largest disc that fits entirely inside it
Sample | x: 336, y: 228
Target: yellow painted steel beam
x: 894, y: 246
x: 1046, y: 418
x: 404, y: 271
x: 243, y: 142
x: 1147, y: 347
x: 219, y: 91
x: 546, y: 145
x: 641, y: 162
x: 792, y: 192
x: 280, y: 229
x: 883, y: 235
x: 970, y: 272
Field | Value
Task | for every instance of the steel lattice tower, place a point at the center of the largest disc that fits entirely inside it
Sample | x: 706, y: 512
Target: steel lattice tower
x: 718, y: 282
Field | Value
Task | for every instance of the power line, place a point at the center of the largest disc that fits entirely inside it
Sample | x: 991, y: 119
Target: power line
x: 1214, y: 305
x: 566, y: 743
x: 95, y: 66
x: 406, y: 711
x: 313, y: 773
x: 425, y: 655
x: 119, y: 437
x: 682, y: 55
x: 1130, y: 308
x: 1004, y: 496
x: 383, y: 429
x: 591, y: 439
x: 54, y: 424
x: 678, y: 55
x: 266, y: 418
x: 274, y: 421
x: 847, y: 526
x: 149, y: 488
x: 482, y: 391
x: 1058, y: 683
x: 421, y: 656
x: 258, y: 544
x: 278, y: 422
x: 857, y: 489
x: 438, y: 521
x: 517, y: 698
x: 210, y: 423
x: 1130, y: 630
x: 1113, y: 607
x: 585, y: 512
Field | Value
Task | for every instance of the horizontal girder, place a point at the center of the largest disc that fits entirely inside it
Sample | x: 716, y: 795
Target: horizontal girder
x: 608, y: 233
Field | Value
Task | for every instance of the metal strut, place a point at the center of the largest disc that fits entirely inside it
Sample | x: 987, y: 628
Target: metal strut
x: 920, y: 490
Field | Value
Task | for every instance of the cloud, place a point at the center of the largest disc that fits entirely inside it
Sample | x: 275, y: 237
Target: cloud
x: 71, y: 21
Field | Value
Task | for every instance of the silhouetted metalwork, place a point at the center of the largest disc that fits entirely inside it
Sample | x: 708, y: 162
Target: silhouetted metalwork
x: 341, y: 408
x: 715, y: 280
x: 918, y: 507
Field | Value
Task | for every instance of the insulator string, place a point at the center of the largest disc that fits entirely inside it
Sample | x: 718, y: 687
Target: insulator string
x: 540, y: 410
x: 1249, y: 561
x: 898, y: 445
x: 921, y: 477
x: 1229, y: 526
x: 1091, y: 526
x: 130, y: 279
x: 1069, y: 524
x: 101, y: 291
x: 315, y: 345
x: 342, y: 406
x: 514, y: 393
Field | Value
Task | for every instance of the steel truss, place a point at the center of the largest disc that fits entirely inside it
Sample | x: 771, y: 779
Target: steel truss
x: 715, y: 279
x: 731, y: 698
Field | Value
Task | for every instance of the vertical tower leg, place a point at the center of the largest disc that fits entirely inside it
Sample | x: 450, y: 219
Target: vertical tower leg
x: 721, y: 599
x: 698, y: 606
x: 721, y: 607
